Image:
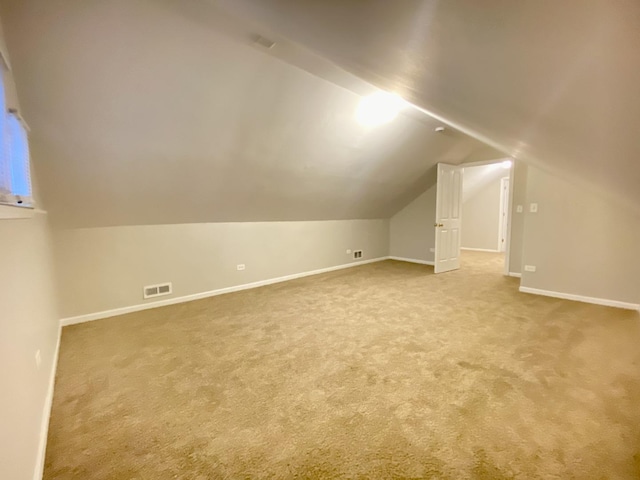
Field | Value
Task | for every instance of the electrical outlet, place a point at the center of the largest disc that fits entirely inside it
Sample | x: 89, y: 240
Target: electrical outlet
x: 38, y: 359
x: 519, y: 209
x: 349, y: 252
x: 529, y: 268
x: 240, y: 266
x: 533, y: 208
x: 357, y: 254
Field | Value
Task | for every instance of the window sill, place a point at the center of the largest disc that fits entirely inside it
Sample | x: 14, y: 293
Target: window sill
x: 12, y: 212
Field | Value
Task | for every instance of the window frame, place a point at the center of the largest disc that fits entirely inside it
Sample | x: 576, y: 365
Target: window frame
x: 12, y: 211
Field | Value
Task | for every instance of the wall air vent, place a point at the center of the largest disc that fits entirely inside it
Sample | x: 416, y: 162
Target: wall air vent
x: 151, y: 291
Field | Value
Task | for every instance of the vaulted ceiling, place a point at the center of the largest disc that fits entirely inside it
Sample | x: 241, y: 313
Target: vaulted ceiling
x: 552, y: 82
x: 156, y: 111
x: 476, y: 178
x: 164, y: 111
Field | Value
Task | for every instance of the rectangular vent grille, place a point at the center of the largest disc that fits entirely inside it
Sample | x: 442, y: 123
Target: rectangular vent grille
x: 357, y: 254
x: 151, y: 291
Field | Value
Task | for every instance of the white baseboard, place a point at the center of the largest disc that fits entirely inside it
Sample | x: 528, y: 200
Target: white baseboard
x: 513, y: 274
x: 581, y: 298
x: 212, y: 293
x: 412, y: 260
x: 480, y: 250
x: 46, y: 413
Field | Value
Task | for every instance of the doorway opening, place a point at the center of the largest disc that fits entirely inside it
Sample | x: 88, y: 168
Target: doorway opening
x: 473, y: 214
x: 485, y: 217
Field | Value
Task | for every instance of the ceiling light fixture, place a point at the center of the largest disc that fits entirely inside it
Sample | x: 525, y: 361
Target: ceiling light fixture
x: 379, y: 108
x: 439, y: 129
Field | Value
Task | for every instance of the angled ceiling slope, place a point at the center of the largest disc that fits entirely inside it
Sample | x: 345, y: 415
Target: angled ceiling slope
x: 156, y: 111
x: 554, y: 83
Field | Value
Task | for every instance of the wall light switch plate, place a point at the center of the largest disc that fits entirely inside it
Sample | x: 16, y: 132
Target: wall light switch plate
x: 529, y: 268
x: 519, y: 209
x: 241, y: 266
x: 533, y: 208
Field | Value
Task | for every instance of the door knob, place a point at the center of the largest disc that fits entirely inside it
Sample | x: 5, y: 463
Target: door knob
x: 438, y: 225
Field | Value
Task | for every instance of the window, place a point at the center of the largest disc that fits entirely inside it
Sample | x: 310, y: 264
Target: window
x: 19, y: 159
x: 15, y: 178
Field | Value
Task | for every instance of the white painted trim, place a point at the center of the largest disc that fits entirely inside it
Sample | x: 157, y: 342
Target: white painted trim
x: 14, y: 212
x: 480, y: 250
x: 46, y: 413
x: 514, y: 274
x: 512, y: 176
x: 197, y: 296
x: 581, y: 298
x: 411, y: 260
x: 504, y: 222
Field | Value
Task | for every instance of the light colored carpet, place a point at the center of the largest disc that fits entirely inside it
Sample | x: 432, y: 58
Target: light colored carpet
x: 380, y: 371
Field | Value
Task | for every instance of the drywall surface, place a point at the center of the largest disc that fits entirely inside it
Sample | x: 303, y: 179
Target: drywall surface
x: 176, y: 116
x: 411, y: 231
x: 28, y: 323
x: 481, y: 206
x: 106, y: 268
x: 580, y: 243
x: 519, y: 188
x: 566, y: 95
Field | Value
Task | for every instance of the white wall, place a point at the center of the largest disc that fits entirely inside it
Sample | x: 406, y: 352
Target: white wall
x: 28, y: 322
x: 105, y: 268
x: 204, y: 126
x: 411, y: 231
x: 481, y: 206
x: 580, y: 243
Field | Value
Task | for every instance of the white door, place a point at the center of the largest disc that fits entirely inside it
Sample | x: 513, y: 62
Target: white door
x: 448, y: 218
x: 504, y: 213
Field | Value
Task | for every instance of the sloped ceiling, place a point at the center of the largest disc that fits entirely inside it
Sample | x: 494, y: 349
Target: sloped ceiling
x: 552, y: 82
x: 154, y: 111
x: 475, y: 179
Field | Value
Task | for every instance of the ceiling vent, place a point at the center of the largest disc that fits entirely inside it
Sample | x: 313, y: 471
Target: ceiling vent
x: 151, y: 291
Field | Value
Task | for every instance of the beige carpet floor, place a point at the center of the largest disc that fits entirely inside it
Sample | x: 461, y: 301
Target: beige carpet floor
x: 375, y: 372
